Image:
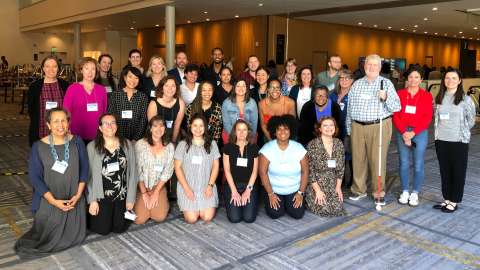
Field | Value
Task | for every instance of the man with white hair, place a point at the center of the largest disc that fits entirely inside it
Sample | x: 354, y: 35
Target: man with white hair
x: 371, y: 99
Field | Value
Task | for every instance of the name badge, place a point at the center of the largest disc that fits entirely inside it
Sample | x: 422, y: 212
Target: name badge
x: 130, y: 215
x: 158, y: 168
x: 218, y: 83
x: 197, y: 160
x: 50, y: 105
x: 242, y: 162
x: 153, y: 93
x: 342, y: 105
x: 251, y: 86
x: 444, y: 116
x: 169, y: 123
x: 92, y: 107
x: 127, y: 114
x: 410, y: 109
x: 331, y: 163
x: 113, y: 167
x: 108, y: 88
x: 60, y: 166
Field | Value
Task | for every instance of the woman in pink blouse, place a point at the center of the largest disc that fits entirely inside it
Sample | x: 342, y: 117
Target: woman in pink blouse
x: 86, y: 101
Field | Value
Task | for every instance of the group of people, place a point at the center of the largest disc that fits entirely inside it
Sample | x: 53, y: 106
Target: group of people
x: 106, y: 153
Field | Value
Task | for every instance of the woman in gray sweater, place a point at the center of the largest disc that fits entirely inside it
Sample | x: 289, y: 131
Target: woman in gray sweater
x: 112, y: 182
x: 454, y: 117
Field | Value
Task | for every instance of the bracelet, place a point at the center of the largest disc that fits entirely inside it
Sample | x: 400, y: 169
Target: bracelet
x: 211, y: 185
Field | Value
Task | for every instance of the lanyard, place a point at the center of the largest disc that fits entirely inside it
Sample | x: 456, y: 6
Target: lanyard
x: 53, y: 151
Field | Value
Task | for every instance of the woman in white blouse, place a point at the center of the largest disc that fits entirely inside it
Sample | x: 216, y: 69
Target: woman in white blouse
x: 154, y: 155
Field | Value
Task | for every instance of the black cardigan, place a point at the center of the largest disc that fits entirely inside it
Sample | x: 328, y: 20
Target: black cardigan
x: 33, y: 101
x: 308, y: 118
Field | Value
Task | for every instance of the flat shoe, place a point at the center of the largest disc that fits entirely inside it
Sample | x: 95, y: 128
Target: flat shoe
x: 439, y: 206
x: 446, y: 208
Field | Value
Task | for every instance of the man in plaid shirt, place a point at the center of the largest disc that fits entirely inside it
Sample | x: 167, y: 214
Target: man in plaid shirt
x: 371, y: 98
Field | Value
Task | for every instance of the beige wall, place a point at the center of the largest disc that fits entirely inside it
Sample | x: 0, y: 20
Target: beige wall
x: 239, y: 38
x: 350, y: 42
x: 44, y: 13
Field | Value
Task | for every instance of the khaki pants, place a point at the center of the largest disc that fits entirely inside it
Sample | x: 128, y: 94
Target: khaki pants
x: 158, y: 213
x: 365, y: 142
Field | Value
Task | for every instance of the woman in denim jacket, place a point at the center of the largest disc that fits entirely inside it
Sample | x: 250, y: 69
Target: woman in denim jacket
x: 239, y: 105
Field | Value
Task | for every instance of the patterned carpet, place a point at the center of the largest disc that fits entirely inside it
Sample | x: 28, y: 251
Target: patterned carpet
x: 399, y: 237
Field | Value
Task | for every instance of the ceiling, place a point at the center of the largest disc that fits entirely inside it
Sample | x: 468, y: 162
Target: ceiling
x: 450, y: 18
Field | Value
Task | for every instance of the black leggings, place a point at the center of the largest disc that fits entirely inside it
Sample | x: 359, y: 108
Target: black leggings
x: 286, y: 206
x: 248, y: 212
x: 453, y: 159
x: 110, y: 217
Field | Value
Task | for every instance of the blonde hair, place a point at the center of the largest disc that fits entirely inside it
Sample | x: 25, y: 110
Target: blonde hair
x: 374, y: 57
x: 149, y: 71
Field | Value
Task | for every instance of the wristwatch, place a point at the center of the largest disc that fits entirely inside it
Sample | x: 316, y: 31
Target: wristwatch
x: 301, y: 193
x: 250, y: 187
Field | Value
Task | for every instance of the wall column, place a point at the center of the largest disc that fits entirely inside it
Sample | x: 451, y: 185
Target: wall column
x: 169, y: 35
x: 77, y: 42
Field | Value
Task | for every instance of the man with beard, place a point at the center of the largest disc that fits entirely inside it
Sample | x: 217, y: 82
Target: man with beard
x: 329, y: 77
x: 249, y: 75
x: 212, y: 73
x: 178, y: 71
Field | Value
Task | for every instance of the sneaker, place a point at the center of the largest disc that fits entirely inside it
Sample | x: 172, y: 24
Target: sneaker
x: 404, y: 197
x: 380, y: 201
x: 357, y: 197
x: 413, y: 199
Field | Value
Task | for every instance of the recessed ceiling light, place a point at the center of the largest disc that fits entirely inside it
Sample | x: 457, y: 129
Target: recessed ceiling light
x: 454, y: 35
x: 425, y: 32
x: 460, y: 32
x: 402, y: 29
x: 207, y: 19
x: 445, y: 34
x: 189, y: 21
x: 360, y: 23
x: 470, y: 38
x: 414, y: 30
x: 236, y: 16
x: 134, y: 22
x: 260, y: 4
x: 475, y: 28
x: 425, y: 19
x: 375, y: 25
x: 389, y: 27
x: 157, y: 25
x: 205, y: 12
x: 434, y: 8
x: 416, y: 25
x: 478, y: 38
x: 436, y: 33
x: 131, y: 28
x: 463, y: 36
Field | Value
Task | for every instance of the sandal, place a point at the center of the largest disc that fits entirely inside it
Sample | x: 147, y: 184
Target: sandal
x: 439, y: 206
x: 450, y: 208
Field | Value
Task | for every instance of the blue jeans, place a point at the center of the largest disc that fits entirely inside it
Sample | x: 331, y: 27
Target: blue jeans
x: 421, y: 141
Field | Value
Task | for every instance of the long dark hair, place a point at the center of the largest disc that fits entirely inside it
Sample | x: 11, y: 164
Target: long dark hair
x: 233, y: 96
x: 206, y: 137
x: 135, y: 71
x: 148, y: 133
x: 100, y: 142
x: 459, y: 94
x: 110, y: 79
x: 197, y: 102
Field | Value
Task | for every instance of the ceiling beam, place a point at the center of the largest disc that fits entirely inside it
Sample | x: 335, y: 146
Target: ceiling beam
x: 373, y: 6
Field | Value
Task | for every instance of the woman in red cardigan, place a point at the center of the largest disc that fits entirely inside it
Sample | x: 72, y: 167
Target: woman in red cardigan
x: 411, y: 123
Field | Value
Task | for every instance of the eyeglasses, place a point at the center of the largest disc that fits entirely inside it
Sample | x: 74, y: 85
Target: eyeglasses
x: 344, y: 78
x: 276, y: 88
x: 113, y: 123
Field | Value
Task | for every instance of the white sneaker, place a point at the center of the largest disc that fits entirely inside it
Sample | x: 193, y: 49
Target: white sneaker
x: 404, y: 197
x: 357, y: 197
x: 413, y: 199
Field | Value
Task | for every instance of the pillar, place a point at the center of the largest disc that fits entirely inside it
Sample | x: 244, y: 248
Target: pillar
x: 169, y: 35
